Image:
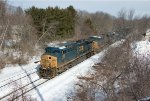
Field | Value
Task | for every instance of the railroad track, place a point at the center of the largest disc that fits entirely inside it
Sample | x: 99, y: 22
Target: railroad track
x: 15, y: 76
x: 25, y: 87
x: 17, y: 79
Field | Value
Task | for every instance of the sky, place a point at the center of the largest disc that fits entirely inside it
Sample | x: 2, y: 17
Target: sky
x: 112, y: 7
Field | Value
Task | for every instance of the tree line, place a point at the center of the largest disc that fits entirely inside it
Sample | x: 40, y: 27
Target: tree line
x: 56, y: 22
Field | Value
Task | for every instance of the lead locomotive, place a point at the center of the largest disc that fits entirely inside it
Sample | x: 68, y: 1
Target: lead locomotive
x: 58, y: 59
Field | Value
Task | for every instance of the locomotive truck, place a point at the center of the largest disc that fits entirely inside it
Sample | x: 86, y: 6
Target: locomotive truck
x: 60, y: 58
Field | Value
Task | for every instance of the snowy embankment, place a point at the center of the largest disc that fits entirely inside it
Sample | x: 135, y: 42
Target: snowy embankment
x: 56, y: 88
x: 142, y: 49
x: 15, y: 72
x: 11, y: 72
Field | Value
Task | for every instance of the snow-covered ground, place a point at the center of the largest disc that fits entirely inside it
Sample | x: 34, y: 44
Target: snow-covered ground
x: 142, y: 48
x: 57, y: 88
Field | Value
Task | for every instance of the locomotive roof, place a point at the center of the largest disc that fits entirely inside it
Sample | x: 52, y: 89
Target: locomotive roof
x: 67, y: 44
x: 62, y: 45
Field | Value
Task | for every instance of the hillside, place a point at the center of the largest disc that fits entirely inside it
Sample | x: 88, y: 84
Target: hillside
x: 45, y: 92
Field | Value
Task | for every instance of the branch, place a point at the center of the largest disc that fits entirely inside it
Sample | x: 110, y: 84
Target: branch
x: 3, y: 35
x: 45, y: 32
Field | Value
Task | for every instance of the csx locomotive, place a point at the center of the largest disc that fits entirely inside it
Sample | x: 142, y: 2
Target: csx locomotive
x: 58, y: 59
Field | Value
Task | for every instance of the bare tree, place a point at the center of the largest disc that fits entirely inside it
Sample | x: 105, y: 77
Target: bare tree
x: 121, y: 76
x: 17, y: 34
x: 3, y: 22
x: 81, y: 27
x: 48, y: 29
x: 102, y: 22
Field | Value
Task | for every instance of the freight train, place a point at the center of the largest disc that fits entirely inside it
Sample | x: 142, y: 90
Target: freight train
x: 60, y: 58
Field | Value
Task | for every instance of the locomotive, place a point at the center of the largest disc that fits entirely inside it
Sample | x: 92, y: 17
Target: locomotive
x: 60, y: 58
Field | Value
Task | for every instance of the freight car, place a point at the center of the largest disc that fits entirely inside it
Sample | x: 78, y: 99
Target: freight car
x: 58, y: 59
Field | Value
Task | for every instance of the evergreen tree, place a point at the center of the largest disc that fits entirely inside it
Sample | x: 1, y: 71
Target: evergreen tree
x: 65, y: 19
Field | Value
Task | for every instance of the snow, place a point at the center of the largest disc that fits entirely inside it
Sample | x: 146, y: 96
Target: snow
x: 145, y: 99
x: 53, y: 44
x: 13, y: 72
x: 96, y: 36
x: 56, y: 44
x: 55, y: 89
x: 142, y: 49
x: 148, y: 32
x: 62, y: 47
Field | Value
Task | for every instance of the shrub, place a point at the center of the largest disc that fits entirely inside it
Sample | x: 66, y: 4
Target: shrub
x: 119, y: 77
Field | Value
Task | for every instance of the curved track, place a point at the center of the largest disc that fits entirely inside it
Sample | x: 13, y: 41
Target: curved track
x: 17, y: 79
x: 15, y: 76
x: 28, y: 88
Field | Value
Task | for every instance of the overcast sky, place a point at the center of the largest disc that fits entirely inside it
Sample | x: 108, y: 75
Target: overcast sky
x: 141, y: 7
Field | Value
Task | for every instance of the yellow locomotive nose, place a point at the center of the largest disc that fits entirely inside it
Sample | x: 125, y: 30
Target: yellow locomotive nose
x: 48, y: 61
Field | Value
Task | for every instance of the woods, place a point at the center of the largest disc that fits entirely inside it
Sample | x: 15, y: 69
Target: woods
x: 58, y: 23
x: 17, y: 35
